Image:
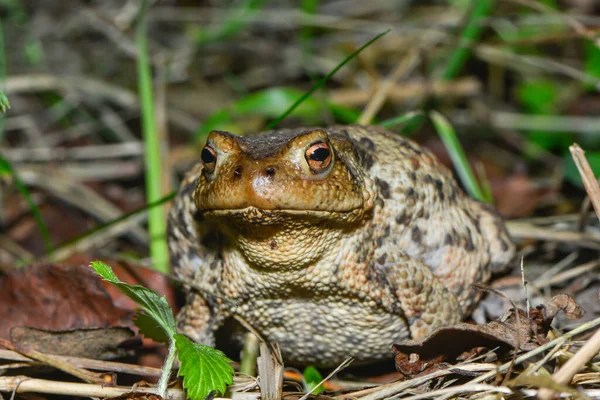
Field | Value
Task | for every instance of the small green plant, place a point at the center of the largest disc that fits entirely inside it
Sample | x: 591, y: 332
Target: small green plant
x: 312, y: 377
x: 203, y: 368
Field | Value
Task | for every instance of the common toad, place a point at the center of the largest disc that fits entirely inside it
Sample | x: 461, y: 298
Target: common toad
x: 335, y: 242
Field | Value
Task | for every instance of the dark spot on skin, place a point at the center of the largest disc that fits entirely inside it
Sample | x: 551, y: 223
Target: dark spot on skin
x: 237, y: 173
x: 381, y: 259
x: 181, y: 222
x: 504, y: 245
x: 270, y: 172
x: 412, y: 176
x: 379, y: 241
x: 368, y: 143
x: 410, y: 192
x: 197, y: 216
x: 212, y: 280
x: 384, y: 188
x: 187, y: 190
x: 405, y: 143
x: 354, y: 340
x: 469, y: 242
x: 273, y: 245
x: 402, y: 219
x: 416, y: 235
x: 452, y: 192
x: 439, y: 187
x: 214, y: 264
x: 428, y: 179
x: 366, y: 159
x: 420, y: 214
x: 475, y: 223
x: 448, y: 240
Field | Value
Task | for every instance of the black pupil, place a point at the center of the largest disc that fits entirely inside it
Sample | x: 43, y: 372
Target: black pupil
x: 207, y: 156
x: 319, y: 154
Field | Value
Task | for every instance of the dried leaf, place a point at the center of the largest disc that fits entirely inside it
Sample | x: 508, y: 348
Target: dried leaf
x: 462, y: 341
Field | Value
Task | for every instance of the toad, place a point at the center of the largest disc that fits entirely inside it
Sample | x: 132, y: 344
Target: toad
x: 334, y: 242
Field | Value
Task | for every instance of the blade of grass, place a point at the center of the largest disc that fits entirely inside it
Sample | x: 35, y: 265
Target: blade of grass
x: 457, y: 154
x: 322, y: 81
x: 469, y: 35
x: 7, y: 169
x: 157, y: 224
x: 115, y: 221
x: 400, y: 120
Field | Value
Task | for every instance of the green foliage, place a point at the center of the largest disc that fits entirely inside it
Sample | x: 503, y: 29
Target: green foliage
x: 322, y: 81
x: 540, y: 97
x: 4, y: 103
x: 204, y: 369
x: 153, y: 305
x: 312, y: 377
x: 157, y: 224
x: 409, y: 121
x: 271, y: 103
x: 591, y: 64
x: 457, y: 154
x: 215, y: 374
x: 469, y: 35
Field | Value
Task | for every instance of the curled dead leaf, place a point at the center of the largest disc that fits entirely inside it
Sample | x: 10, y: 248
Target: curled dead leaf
x: 515, y: 330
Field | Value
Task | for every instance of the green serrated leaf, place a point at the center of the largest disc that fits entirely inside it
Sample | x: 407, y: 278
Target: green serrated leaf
x: 154, y: 305
x: 203, y: 368
x: 149, y: 328
x: 312, y: 377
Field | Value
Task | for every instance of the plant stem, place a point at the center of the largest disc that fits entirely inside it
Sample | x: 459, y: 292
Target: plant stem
x: 166, y: 369
x: 152, y: 155
x: 470, y: 34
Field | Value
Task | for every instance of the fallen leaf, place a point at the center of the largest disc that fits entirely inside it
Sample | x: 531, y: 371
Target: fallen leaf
x: 56, y: 297
x: 515, y: 330
x: 100, y: 343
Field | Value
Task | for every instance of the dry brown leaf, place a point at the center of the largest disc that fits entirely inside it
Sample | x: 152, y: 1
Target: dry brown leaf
x: 462, y: 341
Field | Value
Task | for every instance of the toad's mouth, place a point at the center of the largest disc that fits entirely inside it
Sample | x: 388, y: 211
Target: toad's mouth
x: 258, y: 216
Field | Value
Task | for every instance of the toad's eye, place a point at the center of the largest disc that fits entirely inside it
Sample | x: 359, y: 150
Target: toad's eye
x: 208, y: 157
x: 318, y: 156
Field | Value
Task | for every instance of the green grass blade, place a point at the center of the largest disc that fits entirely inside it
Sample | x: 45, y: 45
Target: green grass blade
x: 469, y: 35
x: 115, y: 221
x: 322, y: 81
x: 400, y: 120
x: 157, y: 222
x: 457, y: 154
x: 7, y: 169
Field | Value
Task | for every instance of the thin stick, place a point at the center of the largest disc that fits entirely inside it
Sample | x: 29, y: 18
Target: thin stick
x: 592, y: 346
x: 587, y: 176
x: 408, y: 63
x: 564, y: 375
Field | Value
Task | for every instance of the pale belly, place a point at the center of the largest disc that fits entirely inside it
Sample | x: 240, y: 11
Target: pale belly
x: 326, y: 331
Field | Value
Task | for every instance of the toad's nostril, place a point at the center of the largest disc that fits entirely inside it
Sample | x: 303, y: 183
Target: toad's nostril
x: 237, y: 173
x: 270, y: 172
